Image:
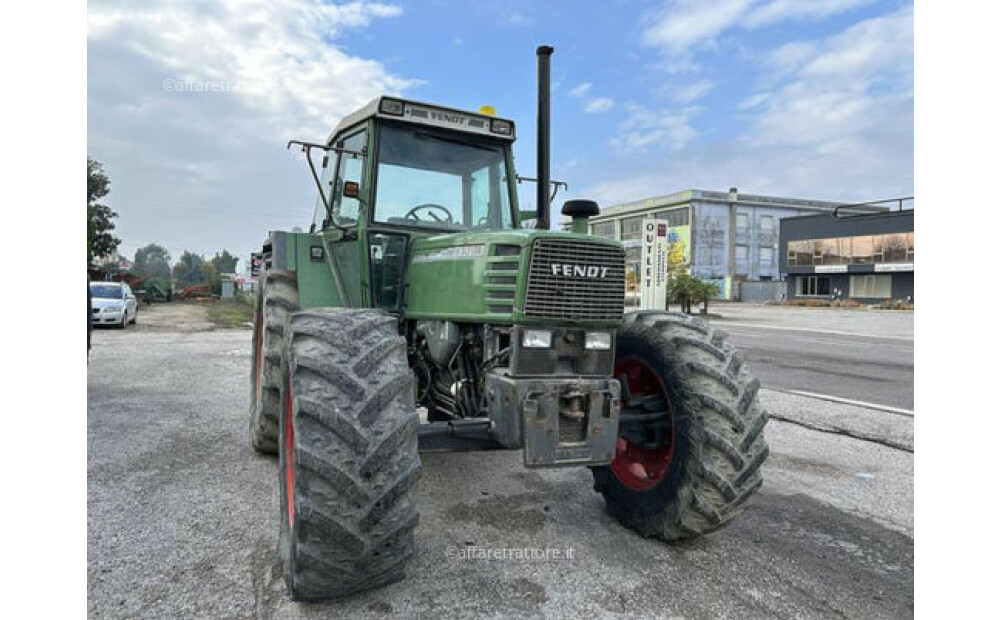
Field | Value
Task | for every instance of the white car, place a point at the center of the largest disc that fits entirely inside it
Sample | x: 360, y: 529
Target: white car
x: 112, y: 303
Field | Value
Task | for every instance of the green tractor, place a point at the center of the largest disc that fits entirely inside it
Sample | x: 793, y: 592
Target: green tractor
x: 419, y: 313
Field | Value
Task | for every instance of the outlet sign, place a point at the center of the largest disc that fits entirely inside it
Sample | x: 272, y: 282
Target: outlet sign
x: 653, y: 268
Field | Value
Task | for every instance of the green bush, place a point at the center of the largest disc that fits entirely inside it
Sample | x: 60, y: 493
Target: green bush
x: 685, y: 289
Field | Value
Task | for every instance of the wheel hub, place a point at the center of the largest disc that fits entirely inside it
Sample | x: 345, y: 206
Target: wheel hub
x: 640, y: 467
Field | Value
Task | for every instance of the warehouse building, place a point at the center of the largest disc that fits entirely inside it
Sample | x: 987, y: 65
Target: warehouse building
x: 724, y: 237
x: 865, y: 257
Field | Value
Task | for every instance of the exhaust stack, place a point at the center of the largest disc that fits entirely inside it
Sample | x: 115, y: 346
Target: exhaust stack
x: 543, y: 52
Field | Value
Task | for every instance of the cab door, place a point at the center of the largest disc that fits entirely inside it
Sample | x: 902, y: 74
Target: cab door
x: 344, y: 179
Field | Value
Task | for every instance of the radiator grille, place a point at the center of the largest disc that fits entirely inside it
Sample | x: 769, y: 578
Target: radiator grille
x: 560, y: 293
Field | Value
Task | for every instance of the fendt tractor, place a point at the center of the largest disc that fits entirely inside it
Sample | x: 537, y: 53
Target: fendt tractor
x: 418, y: 292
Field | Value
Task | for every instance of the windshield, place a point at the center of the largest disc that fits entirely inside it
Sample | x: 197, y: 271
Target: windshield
x: 440, y: 182
x: 106, y: 291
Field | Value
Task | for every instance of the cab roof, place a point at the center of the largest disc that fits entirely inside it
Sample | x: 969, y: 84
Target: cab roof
x: 429, y: 114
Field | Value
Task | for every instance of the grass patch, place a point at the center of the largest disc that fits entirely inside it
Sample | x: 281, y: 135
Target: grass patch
x: 232, y: 313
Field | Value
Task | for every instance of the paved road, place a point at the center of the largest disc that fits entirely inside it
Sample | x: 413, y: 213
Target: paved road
x: 183, y: 517
x: 856, y: 355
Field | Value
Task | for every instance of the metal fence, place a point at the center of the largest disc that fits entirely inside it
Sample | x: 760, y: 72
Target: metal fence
x: 761, y: 291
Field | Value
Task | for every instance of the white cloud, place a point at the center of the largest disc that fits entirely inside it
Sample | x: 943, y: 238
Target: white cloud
x: 580, y: 90
x: 845, y: 88
x: 278, y: 53
x: 753, y: 101
x: 663, y: 129
x: 680, y: 24
x: 598, y: 105
x: 783, y: 10
x: 516, y: 18
x: 689, y: 93
x: 835, y: 122
x: 205, y: 167
x: 789, y: 57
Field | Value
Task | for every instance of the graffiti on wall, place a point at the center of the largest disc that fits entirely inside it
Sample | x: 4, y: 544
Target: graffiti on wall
x: 679, y: 243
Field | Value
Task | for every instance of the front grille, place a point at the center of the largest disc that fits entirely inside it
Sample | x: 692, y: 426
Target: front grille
x: 564, y: 284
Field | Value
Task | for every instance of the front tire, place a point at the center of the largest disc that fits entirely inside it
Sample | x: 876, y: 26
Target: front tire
x: 349, y: 465
x: 278, y: 298
x: 691, y: 456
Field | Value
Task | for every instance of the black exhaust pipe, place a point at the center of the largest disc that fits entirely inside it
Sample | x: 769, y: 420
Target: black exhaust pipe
x: 543, y: 52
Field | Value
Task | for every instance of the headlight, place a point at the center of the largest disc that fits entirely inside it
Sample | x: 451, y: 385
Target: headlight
x: 600, y: 341
x: 536, y: 339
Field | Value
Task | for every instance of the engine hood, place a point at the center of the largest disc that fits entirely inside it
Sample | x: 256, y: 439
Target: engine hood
x: 484, y: 277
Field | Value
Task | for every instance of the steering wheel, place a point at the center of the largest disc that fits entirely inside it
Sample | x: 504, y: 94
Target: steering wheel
x: 430, y: 207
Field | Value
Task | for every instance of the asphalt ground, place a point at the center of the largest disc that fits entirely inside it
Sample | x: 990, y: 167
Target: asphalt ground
x: 862, y: 355
x: 183, y: 515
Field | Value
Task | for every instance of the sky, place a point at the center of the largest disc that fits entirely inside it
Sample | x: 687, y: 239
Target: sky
x: 190, y: 104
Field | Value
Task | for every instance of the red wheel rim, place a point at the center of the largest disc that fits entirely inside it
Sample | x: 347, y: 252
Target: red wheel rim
x: 636, y: 467
x: 289, y: 456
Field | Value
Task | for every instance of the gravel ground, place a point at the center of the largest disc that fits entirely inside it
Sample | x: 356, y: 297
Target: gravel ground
x: 183, y: 516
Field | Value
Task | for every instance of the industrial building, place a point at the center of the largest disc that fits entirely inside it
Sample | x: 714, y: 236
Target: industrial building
x: 846, y: 255
x: 724, y: 237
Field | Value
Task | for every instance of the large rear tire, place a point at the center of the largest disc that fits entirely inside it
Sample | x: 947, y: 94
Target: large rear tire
x: 278, y: 298
x: 690, y: 471
x: 349, y: 465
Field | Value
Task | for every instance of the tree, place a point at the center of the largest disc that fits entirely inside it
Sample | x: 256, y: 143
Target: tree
x: 189, y: 269
x: 212, y: 277
x: 152, y: 261
x: 225, y: 262
x: 100, y: 241
x: 685, y: 289
x: 704, y: 291
x: 109, y: 265
x: 680, y: 289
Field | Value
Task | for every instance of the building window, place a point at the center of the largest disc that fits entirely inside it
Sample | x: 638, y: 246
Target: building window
x: 871, y: 286
x: 813, y: 286
x: 830, y: 252
x: 742, y: 253
x: 674, y: 217
x: 894, y: 248
x: 861, y: 250
x: 603, y: 229
x: 767, y: 223
x: 742, y: 222
x: 632, y: 228
x: 800, y: 253
x: 766, y: 257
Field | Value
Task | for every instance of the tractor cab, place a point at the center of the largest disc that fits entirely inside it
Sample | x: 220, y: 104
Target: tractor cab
x: 398, y: 164
x: 397, y: 171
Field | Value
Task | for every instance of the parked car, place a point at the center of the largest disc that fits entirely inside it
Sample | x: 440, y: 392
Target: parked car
x: 113, y: 303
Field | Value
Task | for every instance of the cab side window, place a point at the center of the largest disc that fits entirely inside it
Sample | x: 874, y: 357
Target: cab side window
x: 328, y: 167
x: 350, y: 169
x: 340, y: 167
